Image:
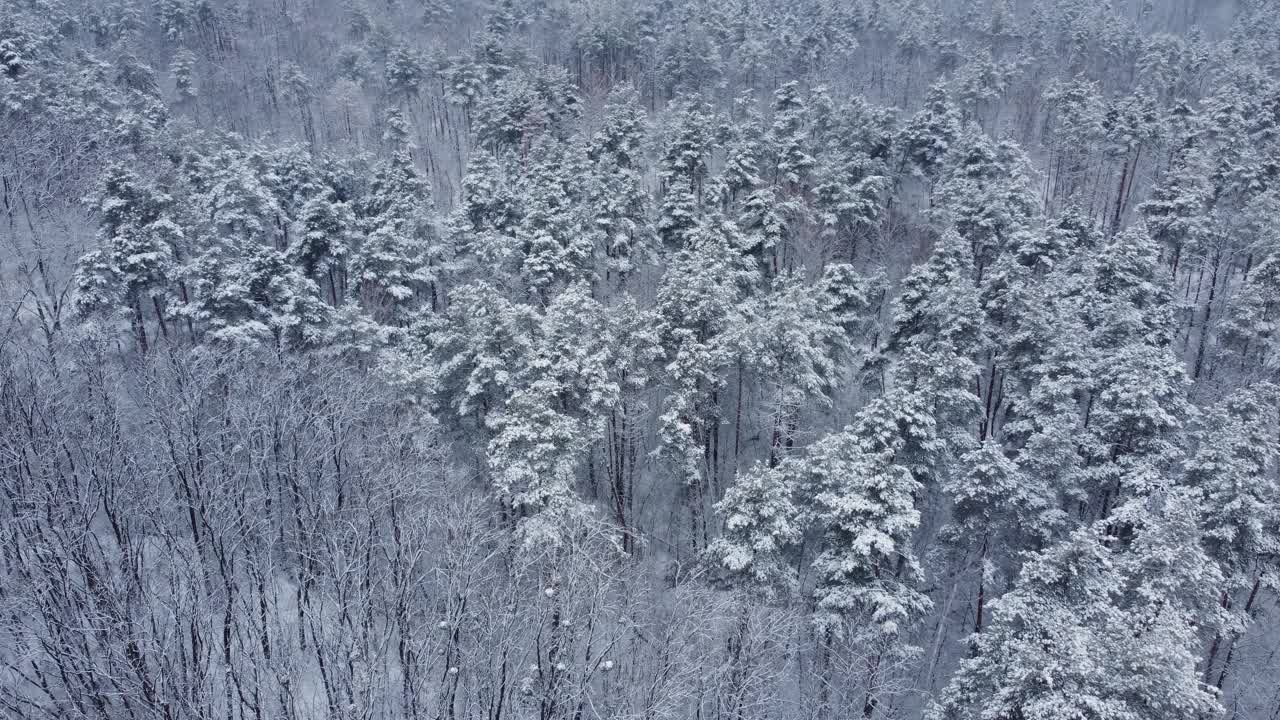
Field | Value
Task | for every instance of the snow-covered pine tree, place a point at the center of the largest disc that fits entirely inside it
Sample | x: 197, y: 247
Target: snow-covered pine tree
x: 324, y: 243
x: 699, y: 308
x: 743, y: 142
x: 862, y: 495
x: 1249, y: 335
x: 796, y: 339
x: 397, y: 265
x: 986, y: 193
x: 1177, y: 211
x: 865, y: 501
x: 139, y: 243
x: 930, y: 135
x: 1097, y: 627
x: 683, y: 171
x: 788, y: 141
x: 851, y: 175
x: 1233, y: 476
x: 615, y: 193
x: 937, y: 332
x: 478, y: 348
x: 762, y: 527
x: 483, y: 227
x: 1076, y: 110
x: 556, y: 248
x: 564, y: 390
x: 243, y: 289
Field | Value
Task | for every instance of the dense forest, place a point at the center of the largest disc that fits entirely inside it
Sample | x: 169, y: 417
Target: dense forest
x: 639, y: 359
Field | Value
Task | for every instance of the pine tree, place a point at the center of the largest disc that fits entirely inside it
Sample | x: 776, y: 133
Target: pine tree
x: 1177, y: 212
x: 139, y: 241
x: 578, y: 352
x: 699, y: 308
x: 1096, y: 627
x: 482, y: 230
x: 1234, y: 130
x: 1076, y: 130
x: 795, y: 338
x: 979, y: 85
x: 242, y: 288
x: 555, y: 248
x: 397, y: 263
x: 987, y: 195
x: 564, y: 391
x: 851, y: 177
x: 232, y: 199
x: 937, y: 332
x: 533, y: 458
x: 324, y: 243
x: 930, y: 134
x: 463, y: 81
x: 291, y: 176
x: 1249, y: 328
x: 488, y: 203
x: 865, y: 501
x: 523, y: 106
x: 495, y: 50
x: 766, y: 225
x: 1137, y: 398
x: 688, y: 58
x: 478, y: 347
x: 679, y: 213
x: 1131, y: 300
x: 1130, y: 126
x: 616, y: 194
x: 405, y: 72
x: 182, y: 70
x: 788, y: 140
x: 634, y: 370
x: 761, y: 529
x: 253, y: 295
x: 683, y: 170
x: 863, y: 490
x: 1232, y: 475
x: 743, y: 142
x: 1047, y: 370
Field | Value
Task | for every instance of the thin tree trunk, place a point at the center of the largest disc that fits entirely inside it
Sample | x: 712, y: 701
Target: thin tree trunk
x: 982, y: 585
x: 1248, y: 608
x: 1208, y: 311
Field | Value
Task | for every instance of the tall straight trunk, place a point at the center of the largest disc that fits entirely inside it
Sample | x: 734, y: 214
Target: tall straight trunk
x: 871, y: 701
x: 139, y: 326
x: 987, y: 427
x: 1191, y: 316
x: 713, y: 438
x: 164, y: 329
x: 824, y: 676
x: 737, y: 420
x: 1231, y: 650
x: 982, y: 585
x: 618, y: 454
x: 1119, y: 208
x: 1208, y: 312
x: 940, y: 634
x: 1225, y: 601
x: 1127, y: 174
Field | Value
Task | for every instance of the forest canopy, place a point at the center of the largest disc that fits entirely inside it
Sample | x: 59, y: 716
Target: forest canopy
x: 652, y: 360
